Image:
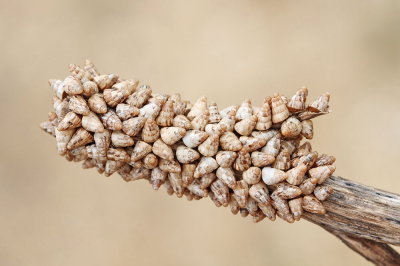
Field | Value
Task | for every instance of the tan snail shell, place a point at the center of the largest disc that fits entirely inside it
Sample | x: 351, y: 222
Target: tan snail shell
x: 250, y: 158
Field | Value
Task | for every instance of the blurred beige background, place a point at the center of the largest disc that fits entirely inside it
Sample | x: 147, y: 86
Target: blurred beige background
x: 54, y: 213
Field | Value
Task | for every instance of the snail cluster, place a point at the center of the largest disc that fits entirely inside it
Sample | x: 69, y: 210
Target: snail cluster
x: 249, y: 158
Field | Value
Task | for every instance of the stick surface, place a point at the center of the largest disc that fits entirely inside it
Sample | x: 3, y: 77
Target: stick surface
x: 360, y: 211
x: 366, y: 219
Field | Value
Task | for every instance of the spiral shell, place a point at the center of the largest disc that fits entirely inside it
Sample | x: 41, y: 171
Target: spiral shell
x: 250, y: 158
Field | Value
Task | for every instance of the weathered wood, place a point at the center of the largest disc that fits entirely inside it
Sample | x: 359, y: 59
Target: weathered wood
x: 361, y: 211
x: 366, y: 219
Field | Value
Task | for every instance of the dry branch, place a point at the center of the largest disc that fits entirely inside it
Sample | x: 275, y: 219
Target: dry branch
x: 366, y: 219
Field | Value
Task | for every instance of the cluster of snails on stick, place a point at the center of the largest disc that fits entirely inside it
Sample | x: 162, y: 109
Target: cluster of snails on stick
x: 246, y: 157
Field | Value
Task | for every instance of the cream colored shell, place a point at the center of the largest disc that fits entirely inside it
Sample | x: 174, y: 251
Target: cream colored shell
x: 251, y: 158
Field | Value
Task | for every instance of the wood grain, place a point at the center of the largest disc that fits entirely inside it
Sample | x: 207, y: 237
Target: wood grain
x: 365, y: 218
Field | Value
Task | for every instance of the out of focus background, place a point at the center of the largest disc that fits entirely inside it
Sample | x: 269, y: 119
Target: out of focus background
x: 55, y: 213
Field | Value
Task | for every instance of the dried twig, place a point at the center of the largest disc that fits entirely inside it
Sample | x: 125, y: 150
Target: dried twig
x: 366, y: 219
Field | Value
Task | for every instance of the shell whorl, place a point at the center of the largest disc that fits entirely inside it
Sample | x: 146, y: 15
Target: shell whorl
x: 246, y: 157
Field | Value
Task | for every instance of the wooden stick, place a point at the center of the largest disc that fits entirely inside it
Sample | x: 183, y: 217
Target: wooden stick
x: 366, y: 219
